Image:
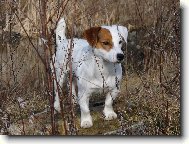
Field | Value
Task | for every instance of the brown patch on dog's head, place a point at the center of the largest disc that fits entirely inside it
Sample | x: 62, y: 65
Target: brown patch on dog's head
x: 91, y: 35
x: 100, y: 38
x: 104, y: 40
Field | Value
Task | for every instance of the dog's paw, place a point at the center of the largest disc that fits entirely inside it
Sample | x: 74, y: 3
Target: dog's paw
x: 110, y: 115
x: 86, y: 124
x: 86, y: 119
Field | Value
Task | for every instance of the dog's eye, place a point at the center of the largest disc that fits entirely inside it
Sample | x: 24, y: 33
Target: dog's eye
x: 105, y: 43
x: 120, y: 42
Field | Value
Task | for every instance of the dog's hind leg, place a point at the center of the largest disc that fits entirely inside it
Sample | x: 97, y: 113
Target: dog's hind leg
x: 74, y: 91
x: 58, y: 91
x: 57, y: 101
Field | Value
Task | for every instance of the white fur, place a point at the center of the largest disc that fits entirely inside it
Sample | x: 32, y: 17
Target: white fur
x: 95, y: 70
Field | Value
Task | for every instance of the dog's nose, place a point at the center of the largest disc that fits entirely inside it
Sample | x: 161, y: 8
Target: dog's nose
x: 120, y: 57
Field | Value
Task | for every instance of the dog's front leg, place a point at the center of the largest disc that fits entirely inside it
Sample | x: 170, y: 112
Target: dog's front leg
x: 86, y: 119
x: 108, y: 109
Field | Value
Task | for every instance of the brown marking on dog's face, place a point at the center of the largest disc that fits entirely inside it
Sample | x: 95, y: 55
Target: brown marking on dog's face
x: 91, y: 35
x: 99, y: 38
x: 104, y: 40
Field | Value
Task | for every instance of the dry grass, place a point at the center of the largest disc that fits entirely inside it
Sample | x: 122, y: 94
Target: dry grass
x: 149, y: 102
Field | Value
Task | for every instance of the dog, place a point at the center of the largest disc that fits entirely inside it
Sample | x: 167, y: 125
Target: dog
x: 96, y: 66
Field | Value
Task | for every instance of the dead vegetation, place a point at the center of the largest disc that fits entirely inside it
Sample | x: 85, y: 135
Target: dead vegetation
x: 149, y: 103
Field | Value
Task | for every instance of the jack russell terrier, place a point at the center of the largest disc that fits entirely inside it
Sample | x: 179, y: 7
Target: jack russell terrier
x: 95, y: 63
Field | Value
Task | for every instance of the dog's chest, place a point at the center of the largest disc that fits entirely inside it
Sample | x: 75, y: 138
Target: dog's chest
x: 95, y: 74
x: 92, y: 72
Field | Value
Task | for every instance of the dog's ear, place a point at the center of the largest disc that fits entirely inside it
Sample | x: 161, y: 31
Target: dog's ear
x: 124, y: 32
x: 91, y: 35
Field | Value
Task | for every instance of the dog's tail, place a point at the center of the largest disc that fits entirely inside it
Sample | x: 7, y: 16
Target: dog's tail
x: 60, y: 31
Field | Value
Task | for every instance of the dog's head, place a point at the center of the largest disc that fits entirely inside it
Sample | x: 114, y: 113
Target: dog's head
x: 108, y: 41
